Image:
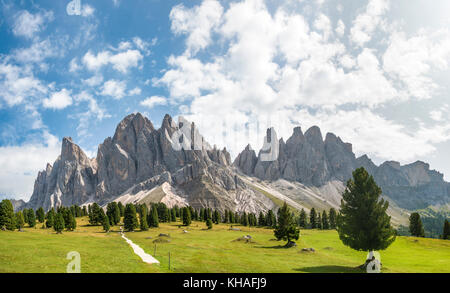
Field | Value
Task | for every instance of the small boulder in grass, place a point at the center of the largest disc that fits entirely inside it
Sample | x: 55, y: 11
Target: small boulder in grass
x: 308, y: 249
x: 185, y: 231
x: 164, y: 235
x: 290, y: 244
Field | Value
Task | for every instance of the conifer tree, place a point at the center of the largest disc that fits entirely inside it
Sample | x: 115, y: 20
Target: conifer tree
x: 286, y: 228
x: 143, y: 218
x: 106, y: 223
x: 7, y: 217
x: 415, y: 225
x: 20, y: 222
x: 261, y: 219
x: 71, y: 222
x: 319, y: 221
x: 31, y: 218
x: 174, y: 215
x: 50, y: 218
x: 25, y: 215
x: 363, y: 223
x: 130, y: 220
x: 153, y: 217
x: 325, y: 223
x: 216, y: 217
x: 59, y: 224
x: 302, y: 220
x: 121, y: 209
x: 186, y: 216
x: 313, y: 218
x: 332, y: 218
x: 40, y: 215
x: 244, y: 219
x: 209, y: 224
x: 446, y: 231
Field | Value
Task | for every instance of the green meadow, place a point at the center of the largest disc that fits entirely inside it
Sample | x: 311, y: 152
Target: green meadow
x: 38, y: 250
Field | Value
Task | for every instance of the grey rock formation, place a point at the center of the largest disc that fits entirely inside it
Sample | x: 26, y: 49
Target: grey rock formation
x: 139, y: 158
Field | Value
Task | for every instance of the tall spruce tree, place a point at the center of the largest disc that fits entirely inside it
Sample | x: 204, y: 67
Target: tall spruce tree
x: 286, y: 228
x: 446, y: 231
x: 325, y: 222
x: 20, y: 222
x: 319, y: 221
x: 59, y: 224
x: 31, y: 218
x: 363, y: 223
x: 209, y: 224
x: 186, y: 216
x: 121, y: 209
x: 106, y: 223
x: 143, y: 218
x: 261, y: 219
x: 50, y: 218
x: 332, y: 218
x: 415, y: 225
x: 302, y: 219
x: 130, y: 220
x: 7, y: 217
x: 153, y: 217
x: 40, y: 215
x: 313, y: 218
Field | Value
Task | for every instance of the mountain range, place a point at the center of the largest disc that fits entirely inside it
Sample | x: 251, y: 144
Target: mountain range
x: 175, y: 165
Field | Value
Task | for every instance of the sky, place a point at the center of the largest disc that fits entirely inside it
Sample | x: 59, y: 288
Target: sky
x: 373, y: 72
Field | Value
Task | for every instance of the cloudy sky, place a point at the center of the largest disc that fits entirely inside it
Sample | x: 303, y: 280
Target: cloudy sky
x: 376, y: 73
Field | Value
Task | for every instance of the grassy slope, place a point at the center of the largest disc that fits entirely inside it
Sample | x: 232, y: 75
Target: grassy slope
x: 39, y: 250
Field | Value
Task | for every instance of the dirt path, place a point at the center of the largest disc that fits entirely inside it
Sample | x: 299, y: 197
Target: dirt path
x: 147, y: 258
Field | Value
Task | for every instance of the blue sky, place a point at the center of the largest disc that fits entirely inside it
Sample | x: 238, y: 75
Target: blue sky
x: 373, y: 72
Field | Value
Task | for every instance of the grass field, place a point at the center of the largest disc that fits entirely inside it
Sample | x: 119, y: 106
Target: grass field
x: 210, y: 251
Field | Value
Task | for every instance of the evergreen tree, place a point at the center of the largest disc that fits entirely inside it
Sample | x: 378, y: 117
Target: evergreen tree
x: 244, y: 219
x: 195, y: 215
x: 20, y: 222
x: 40, y: 215
x: 143, y: 218
x: 153, y: 217
x: 363, y: 223
x: 332, y: 218
x: 313, y: 218
x: 302, y: 220
x: 186, y: 216
x: 121, y: 209
x: 261, y: 219
x: 84, y: 213
x: 71, y: 223
x: 50, y: 218
x: 286, y: 228
x: 106, y: 223
x: 174, y: 215
x: 319, y: 221
x: 25, y: 215
x: 31, y: 218
x: 415, y: 225
x: 446, y: 231
x: 130, y: 220
x: 209, y: 223
x: 59, y: 224
x: 325, y: 223
x: 216, y: 217
x: 202, y: 214
x: 113, y: 213
x: 7, y: 217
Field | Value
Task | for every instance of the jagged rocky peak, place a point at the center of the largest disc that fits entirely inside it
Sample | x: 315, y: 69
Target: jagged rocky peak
x: 72, y: 152
x: 130, y: 128
x: 246, y: 160
x: 314, y: 136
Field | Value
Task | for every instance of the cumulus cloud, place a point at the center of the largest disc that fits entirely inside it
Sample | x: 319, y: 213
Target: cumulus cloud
x: 279, y: 69
x: 21, y: 164
x: 153, y: 101
x: 122, y: 61
x: 114, y: 88
x: 27, y: 24
x: 58, y: 100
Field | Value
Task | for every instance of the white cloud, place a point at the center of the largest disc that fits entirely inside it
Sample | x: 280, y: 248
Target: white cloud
x: 366, y: 23
x: 94, y: 80
x: 197, y: 23
x: 58, y: 100
x: 73, y: 65
x: 114, y: 88
x: 27, y: 24
x: 87, y: 10
x: 122, y: 61
x: 154, y: 101
x: 340, y: 28
x: 94, y: 112
x: 135, y: 92
x: 20, y: 164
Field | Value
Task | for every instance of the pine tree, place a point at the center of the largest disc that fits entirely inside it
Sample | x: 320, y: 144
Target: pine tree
x: 261, y: 219
x: 31, y: 218
x: 286, y: 228
x: 186, y: 216
x: 319, y: 221
x: 143, y: 218
x: 130, y: 220
x: 59, y: 223
x: 50, y: 218
x: 20, y: 222
x: 153, y: 217
x: 25, y: 215
x: 216, y: 216
x: 269, y: 218
x: 446, y: 231
x: 40, y: 215
x: 313, y: 218
x: 325, y: 223
x: 332, y: 218
x: 121, y: 209
x: 106, y: 223
x: 363, y: 223
x: 302, y: 220
x: 71, y: 223
x: 244, y: 220
x: 415, y: 225
x: 209, y: 224
x: 174, y: 215
x: 7, y: 217
x: 113, y: 213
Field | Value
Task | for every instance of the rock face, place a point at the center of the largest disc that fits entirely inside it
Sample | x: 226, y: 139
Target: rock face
x: 139, y: 158
x: 310, y: 160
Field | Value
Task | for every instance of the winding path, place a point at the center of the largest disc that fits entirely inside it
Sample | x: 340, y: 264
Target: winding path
x: 147, y: 258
